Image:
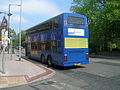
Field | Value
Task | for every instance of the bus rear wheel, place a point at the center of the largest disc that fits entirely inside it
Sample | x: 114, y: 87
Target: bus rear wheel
x: 49, y: 61
x: 42, y: 58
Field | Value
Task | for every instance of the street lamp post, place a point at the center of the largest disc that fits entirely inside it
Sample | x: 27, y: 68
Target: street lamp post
x: 9, y: 14
x: 20, y: 30
x: 19, y: 26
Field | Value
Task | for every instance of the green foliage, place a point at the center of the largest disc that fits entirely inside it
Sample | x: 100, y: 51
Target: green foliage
x: 16, y: 39
x: 12, y: 33
x: 23, y: 35
x: 112, y: 46
x: 104, y: 22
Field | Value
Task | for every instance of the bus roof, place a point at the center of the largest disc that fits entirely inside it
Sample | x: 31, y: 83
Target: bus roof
x: 37, y: 26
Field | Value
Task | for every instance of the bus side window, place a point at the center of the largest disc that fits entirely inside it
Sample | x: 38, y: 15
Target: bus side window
x: 54, y: 45
x: 50, y: 25
x: 39, y: 45
x: 43, y: 46
x: 56, y: 23
x: 59, y: 43
x: 59, y: 39
x: 48, y: 46
x: 32, y: 46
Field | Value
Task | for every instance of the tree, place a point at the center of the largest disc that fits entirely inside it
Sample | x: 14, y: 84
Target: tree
x: 23, y: 35
x: 104, y: 21
x: 12, y: 33
x: 14, y: 38
x: 16, y: 41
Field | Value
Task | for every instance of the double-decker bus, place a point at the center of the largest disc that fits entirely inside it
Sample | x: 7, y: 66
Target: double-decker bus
x: 61, y: 40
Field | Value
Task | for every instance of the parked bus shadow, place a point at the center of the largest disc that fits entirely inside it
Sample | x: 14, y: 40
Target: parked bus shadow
x: 31, y: 60
x: 55, y: 67
x: 66, y: 68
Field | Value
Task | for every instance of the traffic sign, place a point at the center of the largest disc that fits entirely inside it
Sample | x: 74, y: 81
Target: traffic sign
x: 4, y: 21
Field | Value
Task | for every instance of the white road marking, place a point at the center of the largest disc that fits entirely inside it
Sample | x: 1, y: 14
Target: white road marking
x: 57, y: 86
x: 101, y: 75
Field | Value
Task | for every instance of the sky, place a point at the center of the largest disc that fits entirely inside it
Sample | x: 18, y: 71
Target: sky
x: 33, y: 11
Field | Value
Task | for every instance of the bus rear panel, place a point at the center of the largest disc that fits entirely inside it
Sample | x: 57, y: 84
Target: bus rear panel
x: 75, y: 33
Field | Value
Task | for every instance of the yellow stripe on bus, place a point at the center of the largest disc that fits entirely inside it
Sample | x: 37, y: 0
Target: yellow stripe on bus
x: 76, y: 42
x: 34, y: 52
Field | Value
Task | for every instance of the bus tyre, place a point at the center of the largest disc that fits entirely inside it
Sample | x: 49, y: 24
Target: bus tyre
x: 49, y: 61
x: 43, y: 59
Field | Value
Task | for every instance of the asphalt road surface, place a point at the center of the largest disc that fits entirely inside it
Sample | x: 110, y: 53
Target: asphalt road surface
x: 100, y: 74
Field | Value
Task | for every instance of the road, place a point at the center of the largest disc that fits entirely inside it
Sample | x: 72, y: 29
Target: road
x: 100, y: 74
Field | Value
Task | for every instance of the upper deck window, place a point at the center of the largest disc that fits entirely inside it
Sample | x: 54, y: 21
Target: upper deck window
x: 75, y: 20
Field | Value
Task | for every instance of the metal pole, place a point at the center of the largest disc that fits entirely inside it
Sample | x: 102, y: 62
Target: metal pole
x: 20, y: 32
x: 3, y: 58
x: 11, y: 49
x: 9, y: 27
x: 9, y: 14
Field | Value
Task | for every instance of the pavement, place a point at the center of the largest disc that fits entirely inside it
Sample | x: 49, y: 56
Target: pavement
x: 107, y: 56
x: 21, y: 72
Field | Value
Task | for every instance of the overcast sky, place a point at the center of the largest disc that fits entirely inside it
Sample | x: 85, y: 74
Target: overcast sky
x: 34, y: 11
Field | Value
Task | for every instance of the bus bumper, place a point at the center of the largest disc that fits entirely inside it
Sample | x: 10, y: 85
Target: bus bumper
x: 75, y: 64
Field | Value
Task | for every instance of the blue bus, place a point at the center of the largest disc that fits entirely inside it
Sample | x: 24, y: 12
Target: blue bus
x: 61, y: 40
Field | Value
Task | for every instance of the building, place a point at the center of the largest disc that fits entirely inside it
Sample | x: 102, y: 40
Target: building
x: 4, y: 40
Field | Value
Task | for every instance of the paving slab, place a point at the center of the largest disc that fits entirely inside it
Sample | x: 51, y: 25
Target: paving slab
x: 21, y: 72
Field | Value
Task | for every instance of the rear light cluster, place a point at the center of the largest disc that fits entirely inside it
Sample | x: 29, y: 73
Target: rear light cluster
x: 87, y: 56
x: 65, y: 58
x: 86, y: 25
x: 65, y: 23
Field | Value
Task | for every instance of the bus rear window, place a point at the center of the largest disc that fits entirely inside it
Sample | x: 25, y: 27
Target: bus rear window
x: 75, y: 20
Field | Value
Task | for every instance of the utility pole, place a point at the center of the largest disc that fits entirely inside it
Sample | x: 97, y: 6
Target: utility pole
x: 9, y: 14
x: 20, y: 31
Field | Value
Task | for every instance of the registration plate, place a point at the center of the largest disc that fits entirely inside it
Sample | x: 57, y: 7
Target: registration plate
x: 77, y: 64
